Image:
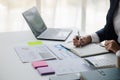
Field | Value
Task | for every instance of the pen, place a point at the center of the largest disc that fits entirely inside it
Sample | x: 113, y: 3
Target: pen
x: 78, y: 36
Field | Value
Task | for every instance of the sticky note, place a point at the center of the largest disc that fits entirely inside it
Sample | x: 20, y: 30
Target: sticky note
x: 38, y: 64
x: 33, y: 43
x: 45, y: 70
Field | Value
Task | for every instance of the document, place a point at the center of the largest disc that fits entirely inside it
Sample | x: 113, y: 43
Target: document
x: 102, y: 61
x: 67, y: 66
x: 60, y: 52
x: 34, y: 53
x: 66, y: 77
x: 84, y: 51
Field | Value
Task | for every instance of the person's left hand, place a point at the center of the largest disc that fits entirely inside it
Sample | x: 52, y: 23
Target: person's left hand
x: 112, y: 45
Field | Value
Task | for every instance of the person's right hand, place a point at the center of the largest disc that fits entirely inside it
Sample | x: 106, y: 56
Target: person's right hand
x: 82, y: 40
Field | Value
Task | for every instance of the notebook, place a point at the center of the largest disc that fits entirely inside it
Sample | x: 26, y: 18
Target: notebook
x: 101, y: 74
x: 39, y: 28
x: 85, y: 51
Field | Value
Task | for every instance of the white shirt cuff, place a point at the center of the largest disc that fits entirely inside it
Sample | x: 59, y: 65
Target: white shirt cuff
x: 95, y: 37
x: 118, y: 53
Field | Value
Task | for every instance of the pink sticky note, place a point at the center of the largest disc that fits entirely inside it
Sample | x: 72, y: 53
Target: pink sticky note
x: 45, y: 70
x: 38, y: 64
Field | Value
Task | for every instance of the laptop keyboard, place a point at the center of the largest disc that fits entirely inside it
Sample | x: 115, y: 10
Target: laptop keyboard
x: 50, y: 32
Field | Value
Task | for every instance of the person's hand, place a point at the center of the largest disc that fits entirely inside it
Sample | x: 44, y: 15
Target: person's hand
x: 81, y: 41
x: 112, y: 45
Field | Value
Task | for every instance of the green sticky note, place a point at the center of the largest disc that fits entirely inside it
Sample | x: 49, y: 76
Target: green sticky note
x: 33, y: 43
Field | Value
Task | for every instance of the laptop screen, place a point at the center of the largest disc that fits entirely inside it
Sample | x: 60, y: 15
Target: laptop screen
x: 34, y: 20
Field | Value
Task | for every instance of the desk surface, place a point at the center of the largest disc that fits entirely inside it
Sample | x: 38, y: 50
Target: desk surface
x: 11, y: 68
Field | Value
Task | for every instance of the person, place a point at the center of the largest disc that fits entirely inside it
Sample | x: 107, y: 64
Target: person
x: 110, y: 33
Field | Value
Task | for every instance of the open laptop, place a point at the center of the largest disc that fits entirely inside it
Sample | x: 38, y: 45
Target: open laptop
x: 39, y: 28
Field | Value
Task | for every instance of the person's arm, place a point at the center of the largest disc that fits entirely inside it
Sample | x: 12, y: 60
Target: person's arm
x: 95, y: 38
x: 112, y: 45
x: 81, y: 41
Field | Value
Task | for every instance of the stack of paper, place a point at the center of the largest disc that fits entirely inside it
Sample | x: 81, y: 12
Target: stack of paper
x: 102, y: 61
x: 67, y: 66
x: 66, y: 77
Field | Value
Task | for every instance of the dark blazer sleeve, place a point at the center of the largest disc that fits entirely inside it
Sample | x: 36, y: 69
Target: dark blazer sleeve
x: 108, y: 32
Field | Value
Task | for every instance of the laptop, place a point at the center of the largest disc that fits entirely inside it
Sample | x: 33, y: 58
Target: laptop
x: 39, y: 28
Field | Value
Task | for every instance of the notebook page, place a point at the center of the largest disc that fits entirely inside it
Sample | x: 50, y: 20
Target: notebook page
x: 88, y: 50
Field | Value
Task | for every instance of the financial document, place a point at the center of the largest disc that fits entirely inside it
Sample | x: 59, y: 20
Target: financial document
x: 67, y: 66
x: 34, y: 53
x: 43, y: 52
x: 61, y: 52
x: 102, y: 61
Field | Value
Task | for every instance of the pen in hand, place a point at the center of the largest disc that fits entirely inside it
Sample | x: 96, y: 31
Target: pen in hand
x: 78, y: 36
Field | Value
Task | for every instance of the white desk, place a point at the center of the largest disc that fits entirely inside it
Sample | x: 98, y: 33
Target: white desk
x: 11, y: 68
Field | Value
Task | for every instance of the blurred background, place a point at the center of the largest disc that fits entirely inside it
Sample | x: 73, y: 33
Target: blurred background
x: 85, y: 15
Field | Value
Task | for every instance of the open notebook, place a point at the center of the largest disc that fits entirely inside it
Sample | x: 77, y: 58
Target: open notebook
x: 88, y: 50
